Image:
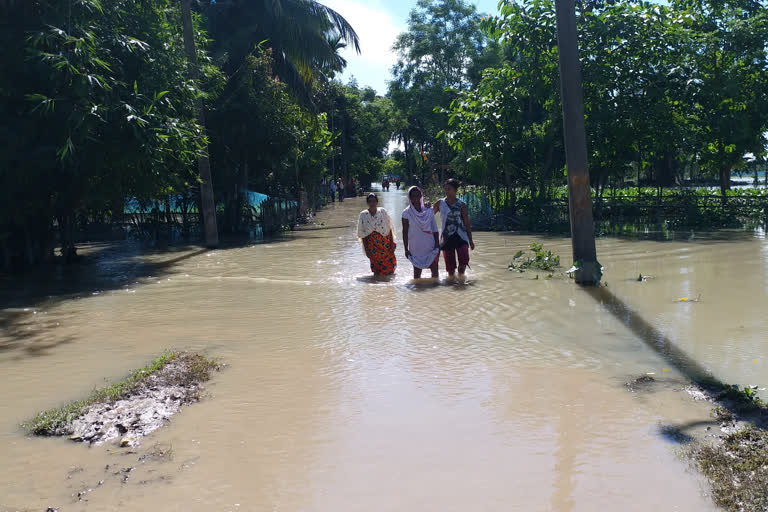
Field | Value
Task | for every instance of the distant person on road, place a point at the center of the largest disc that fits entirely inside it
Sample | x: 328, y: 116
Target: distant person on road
x: 340, y: 187
x: 377, y: 233
x: 420, y: 234
x: 456, y: 232
x: 333, y: 191
x: 385, y: 184
x: 397, y: 183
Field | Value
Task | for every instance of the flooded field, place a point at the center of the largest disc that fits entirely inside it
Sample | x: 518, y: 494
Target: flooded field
x: 343, y: 394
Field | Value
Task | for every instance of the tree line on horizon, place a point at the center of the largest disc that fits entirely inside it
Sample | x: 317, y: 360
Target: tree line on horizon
x: 100, y: 105
x: 672, y: 93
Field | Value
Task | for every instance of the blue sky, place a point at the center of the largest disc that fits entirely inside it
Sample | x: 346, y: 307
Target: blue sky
x: 378, y: 22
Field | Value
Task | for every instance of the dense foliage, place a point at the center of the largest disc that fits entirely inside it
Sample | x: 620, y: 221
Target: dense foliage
x: 96, y: 109
x: 441, y: 54
x: 99, y: 108
x: 99, y: 111
x: 672, y: 93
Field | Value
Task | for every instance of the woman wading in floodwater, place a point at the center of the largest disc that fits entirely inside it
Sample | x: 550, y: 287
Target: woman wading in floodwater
x: 376, y: 231
x: 456, y: 235
x: 420, y: 235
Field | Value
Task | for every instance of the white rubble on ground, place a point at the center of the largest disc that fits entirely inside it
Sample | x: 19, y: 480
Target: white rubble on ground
x: 146, y: 409
x: 131, y: 418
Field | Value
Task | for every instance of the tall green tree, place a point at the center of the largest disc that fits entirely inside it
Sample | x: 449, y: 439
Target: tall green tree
x: 436, y: 55
x: 305, y: 37
x: 363, y: 126
x: 263, y: 139
x: 527, y: 34
x: 665, y: 87
x: 726, y: 62
x: 207, y: 201
x: 99, y: 107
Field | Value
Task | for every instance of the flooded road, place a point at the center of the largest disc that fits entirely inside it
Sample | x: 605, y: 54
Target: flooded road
x: 343, y: 394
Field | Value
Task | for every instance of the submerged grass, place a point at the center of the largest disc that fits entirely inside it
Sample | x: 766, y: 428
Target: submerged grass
x: 196, y: 368
x: 742, y: 401
x: 736, y: 461
x: 737, y: 469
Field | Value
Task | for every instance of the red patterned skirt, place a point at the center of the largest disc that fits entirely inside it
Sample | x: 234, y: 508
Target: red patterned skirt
x: 381, y: 251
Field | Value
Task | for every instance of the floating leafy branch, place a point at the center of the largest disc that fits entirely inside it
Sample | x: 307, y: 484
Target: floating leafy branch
x: 535, y: 258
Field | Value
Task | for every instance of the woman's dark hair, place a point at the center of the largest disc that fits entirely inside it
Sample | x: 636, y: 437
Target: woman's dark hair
x: 371, y: 195
x: 453, y: 182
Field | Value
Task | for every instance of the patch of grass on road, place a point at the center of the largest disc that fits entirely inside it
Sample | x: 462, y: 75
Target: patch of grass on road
x: 196, y: 368
x: 737, y: 469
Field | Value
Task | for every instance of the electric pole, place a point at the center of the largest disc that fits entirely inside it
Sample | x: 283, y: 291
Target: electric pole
x: 579, y: 198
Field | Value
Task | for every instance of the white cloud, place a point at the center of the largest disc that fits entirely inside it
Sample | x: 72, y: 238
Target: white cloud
x: 377, y: 31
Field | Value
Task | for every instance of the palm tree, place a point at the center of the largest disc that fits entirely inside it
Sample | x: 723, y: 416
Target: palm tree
x: 305, y: 37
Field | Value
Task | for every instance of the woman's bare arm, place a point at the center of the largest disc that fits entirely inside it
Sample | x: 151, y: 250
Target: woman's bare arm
x: 405, y: 237
x: 391, y: 225
x: 467, y: 226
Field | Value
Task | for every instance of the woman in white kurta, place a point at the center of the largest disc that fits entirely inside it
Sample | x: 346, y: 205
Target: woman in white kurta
x: 420, y: 235
x: 377, y: 233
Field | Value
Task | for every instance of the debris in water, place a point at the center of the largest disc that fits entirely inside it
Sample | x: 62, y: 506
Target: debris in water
x: 134, y: 407
x: 733, y: 459
x: 640, y: 383
x: 735, y: 468
x: 129, y: 441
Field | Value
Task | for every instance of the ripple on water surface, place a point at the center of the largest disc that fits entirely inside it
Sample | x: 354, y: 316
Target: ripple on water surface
x: 345, y: 393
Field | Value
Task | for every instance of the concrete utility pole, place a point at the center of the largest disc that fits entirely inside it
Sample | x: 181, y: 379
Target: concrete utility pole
x: 207, y: 202
x: 579, y: 198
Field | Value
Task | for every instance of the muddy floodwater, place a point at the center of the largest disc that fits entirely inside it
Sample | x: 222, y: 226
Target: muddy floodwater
x: 343, y: 394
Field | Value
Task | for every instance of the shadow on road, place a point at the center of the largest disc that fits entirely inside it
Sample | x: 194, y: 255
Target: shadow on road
x: 685, y: 364
x: 654, y: 338
x: 103, y: 268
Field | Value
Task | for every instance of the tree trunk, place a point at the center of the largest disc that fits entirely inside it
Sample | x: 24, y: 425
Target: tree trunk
x: 66, y: 232
x: 579, y: 200
x: 548, y: 168
x: 184, y: 210
x: 244, y: 203
x: 406, y: 144
x: 725, y: 182
x: 207, y: 201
